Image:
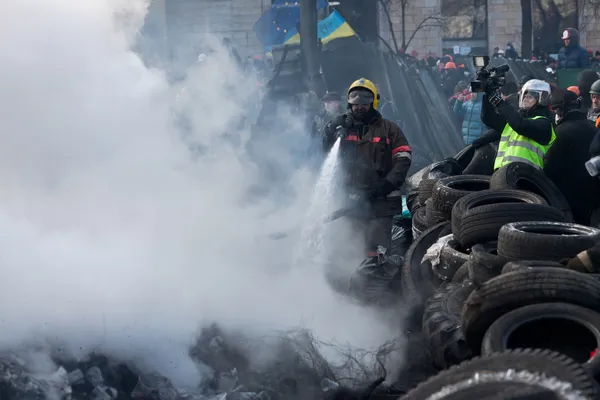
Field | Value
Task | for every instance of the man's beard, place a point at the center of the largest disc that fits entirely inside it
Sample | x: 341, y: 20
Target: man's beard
x: 360, y: 115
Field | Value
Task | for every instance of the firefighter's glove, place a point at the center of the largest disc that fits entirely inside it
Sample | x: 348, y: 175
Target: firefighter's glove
x: 381, y: 189
x: 341, y: 132
x: 495, y: 99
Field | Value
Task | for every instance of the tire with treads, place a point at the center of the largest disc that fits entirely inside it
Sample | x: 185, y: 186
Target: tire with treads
x: 441, y: 324
x: 523, y: 176
x: 509, y: 291
x: 446, y: 231
x: 461, y: 274
x: 478, y: 217
x: 553, y: 241
x: 513, y: 266
x: 485, y: 263
x: 425, y: 190
x: 517, y: 329
x: 464, y: 157
x: 418, y: 282
x: 419, y: 222
x: 432, y: 215
x: 482, y: 162
x: 447, y: 191
x: 452, y: 257
x: 530, y: 369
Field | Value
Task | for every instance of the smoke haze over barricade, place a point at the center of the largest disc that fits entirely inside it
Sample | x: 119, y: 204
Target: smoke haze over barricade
x: 112, y: 235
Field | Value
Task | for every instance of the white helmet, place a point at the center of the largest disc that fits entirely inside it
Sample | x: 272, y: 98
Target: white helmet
x: 537, y: 88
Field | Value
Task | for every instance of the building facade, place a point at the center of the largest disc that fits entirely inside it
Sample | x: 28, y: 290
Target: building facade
x: 180, y: 25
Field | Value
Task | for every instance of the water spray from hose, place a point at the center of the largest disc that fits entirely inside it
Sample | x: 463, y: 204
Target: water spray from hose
x: 313, y: 234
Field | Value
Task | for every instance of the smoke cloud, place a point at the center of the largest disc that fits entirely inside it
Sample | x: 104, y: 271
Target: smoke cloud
x: 113, y: 236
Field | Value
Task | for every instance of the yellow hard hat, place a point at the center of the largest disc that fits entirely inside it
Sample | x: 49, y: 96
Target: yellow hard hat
x: 364, y: 83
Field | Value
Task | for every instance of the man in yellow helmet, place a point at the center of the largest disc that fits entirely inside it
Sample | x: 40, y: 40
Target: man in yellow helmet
x: 374, y: 152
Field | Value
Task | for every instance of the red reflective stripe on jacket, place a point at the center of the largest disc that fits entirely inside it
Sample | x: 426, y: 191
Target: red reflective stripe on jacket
x: 378, y: 139
x: 400, y: 149
x: 352, y: 138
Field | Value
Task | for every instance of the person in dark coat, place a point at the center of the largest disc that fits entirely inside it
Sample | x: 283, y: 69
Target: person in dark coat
x: 595, y: 146
x: 585, y: 80
x: 572, y: 55
x: 564, y: 162
x: 374, y: 155
x: 511, y: 52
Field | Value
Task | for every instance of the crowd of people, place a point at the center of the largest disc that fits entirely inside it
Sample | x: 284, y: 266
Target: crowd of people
x: 530, y: 121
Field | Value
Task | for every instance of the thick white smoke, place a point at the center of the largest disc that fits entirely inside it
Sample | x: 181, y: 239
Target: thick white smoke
x: 111, y: 235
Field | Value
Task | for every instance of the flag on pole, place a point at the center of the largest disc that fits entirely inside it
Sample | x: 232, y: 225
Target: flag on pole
x: 331, y: 28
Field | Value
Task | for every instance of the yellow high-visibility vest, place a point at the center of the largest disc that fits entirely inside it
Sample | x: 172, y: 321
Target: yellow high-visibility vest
x: 514, y: 147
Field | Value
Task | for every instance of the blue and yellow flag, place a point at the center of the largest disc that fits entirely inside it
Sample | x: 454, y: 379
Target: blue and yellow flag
x: 275, y: 23
x: 331, y: 28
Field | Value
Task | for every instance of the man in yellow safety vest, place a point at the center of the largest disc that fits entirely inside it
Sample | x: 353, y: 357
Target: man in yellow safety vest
x: 525, y: 134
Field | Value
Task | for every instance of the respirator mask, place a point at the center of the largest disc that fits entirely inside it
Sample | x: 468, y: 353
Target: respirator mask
x: 593, y: 166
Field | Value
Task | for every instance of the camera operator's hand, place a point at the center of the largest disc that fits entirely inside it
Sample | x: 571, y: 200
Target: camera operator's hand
x: 495, y: 98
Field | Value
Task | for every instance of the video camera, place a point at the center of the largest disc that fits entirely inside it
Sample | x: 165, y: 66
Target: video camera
x: 494, y: 77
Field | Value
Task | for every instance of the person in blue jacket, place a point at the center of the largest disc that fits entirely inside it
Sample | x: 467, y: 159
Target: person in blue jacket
x: 469, y: 109
x: 572, y: 55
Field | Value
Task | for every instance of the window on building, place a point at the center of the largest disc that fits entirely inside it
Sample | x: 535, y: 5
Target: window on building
x: 465, y: 19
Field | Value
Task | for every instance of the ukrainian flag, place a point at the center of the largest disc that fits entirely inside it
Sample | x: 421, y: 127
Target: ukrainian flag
x: 283, y: 15
x: 331, y: 28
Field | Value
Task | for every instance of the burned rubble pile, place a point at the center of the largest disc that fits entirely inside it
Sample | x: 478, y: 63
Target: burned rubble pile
x: 297, y: 372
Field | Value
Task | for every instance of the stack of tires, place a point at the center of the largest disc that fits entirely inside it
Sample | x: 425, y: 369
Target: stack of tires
x: 497, y: 289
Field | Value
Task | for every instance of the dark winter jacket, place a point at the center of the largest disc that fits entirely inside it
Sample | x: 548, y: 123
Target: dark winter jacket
x: 595, y: 146
x: 371, y: 152
x: 573, y: 56
x: 470, y: 112
x: 538, y: 130
x: 513, y: 100
x: 564, y: 164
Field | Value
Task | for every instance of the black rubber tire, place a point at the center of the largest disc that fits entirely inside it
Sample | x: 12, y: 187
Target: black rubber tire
x: 513, y: 266
x: 425, y: 190
x: 432, y: 215
x: 461, y: 274
x: 464, y: 157
x: 419, y: 221
x: 478, y: 217
x: 447, y: 191
x: 497, y: 337
x: 551, y: 241
x: 485, y: 263
x: 446, y: 231
x: 523, y: 176
x: 540, y: 364
x: 509, y: 291
x: 441, y: 324
x: 482, y: 162
x: 452, y: 257
x: 419, y: 283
